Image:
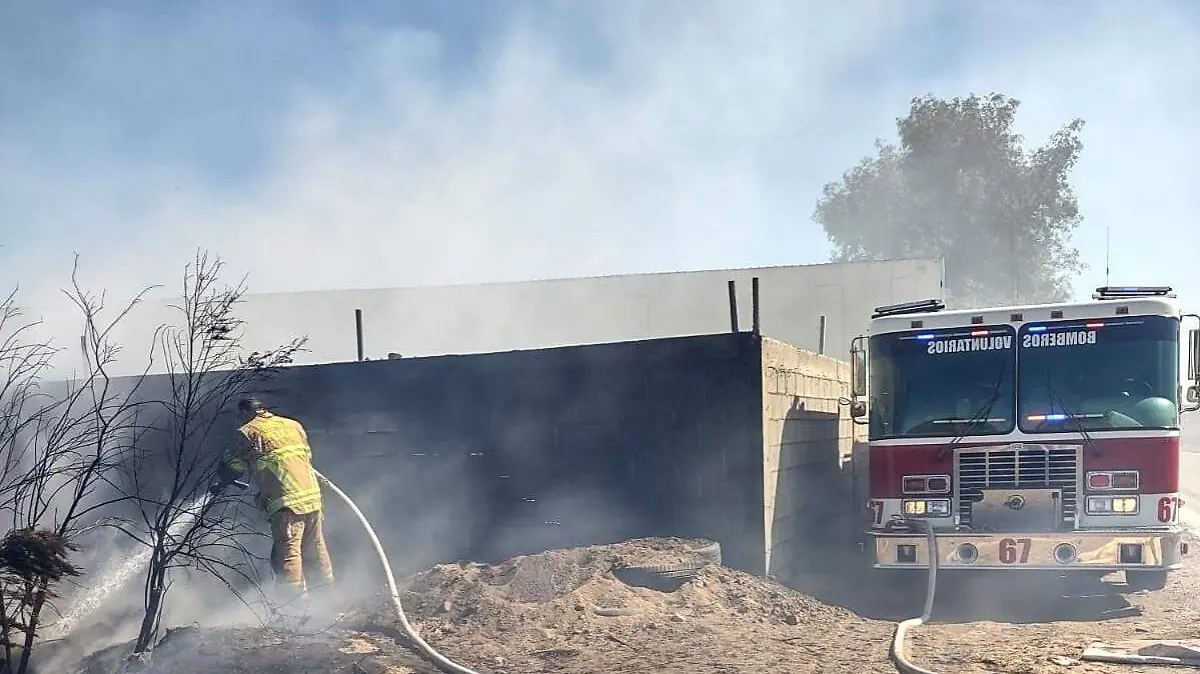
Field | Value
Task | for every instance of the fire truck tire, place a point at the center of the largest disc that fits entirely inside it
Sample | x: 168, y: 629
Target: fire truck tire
x: 1149, y: 581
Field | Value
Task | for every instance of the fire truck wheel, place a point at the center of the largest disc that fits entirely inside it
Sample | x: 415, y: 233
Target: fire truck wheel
x: 1149, y: 581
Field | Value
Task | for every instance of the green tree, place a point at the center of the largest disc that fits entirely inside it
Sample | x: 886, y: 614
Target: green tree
x: 959, y: 186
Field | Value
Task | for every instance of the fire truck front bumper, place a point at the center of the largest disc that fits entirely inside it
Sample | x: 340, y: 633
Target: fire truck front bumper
x: 1068, y: 551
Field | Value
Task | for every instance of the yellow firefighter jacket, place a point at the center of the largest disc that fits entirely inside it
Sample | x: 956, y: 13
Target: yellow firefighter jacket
x: 275, y: 451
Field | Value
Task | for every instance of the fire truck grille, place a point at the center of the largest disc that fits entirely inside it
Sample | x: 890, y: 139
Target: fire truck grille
x: 1053, y: 466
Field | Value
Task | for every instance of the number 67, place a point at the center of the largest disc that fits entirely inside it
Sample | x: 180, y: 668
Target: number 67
x: 1168, y: 508
x: 1009, y: 553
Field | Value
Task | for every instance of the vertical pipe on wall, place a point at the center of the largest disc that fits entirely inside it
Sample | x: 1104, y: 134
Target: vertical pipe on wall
x: 755, y: 324
x: 821, y: 337
x: 733, y: 314
x: 358, y: 333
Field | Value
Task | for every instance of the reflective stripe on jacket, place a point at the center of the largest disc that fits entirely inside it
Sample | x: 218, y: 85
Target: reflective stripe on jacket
x: 275, y: 450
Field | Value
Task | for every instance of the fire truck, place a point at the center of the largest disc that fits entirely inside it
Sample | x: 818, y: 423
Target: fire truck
x: 1031, y: 437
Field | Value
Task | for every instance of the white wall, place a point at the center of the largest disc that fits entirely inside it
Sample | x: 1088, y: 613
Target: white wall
x: 525, y: 315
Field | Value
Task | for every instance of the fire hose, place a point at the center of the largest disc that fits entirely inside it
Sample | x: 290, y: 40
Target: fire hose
x: 897, y: 652
x: 443, y: 663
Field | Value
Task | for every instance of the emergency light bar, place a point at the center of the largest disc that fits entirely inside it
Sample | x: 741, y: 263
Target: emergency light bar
x: 920, y: 306
x: 1114, y: 292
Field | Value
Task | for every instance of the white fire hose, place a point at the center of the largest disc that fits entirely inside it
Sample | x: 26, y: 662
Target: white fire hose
x: 440, y: 660
x: 897, y: 651
x: 903, y: 665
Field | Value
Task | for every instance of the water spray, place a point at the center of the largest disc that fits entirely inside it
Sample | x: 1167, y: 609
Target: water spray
x: 131, y: 566
x: 125, y: 571
x: 444, y: 663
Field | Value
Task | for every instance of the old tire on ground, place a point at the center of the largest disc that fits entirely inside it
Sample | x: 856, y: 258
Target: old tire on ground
x: 669, y: 577
x: 662, y: 578
x: 1149, y: 581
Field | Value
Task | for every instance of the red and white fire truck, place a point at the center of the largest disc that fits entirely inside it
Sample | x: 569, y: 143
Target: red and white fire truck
x: 1034, y: 437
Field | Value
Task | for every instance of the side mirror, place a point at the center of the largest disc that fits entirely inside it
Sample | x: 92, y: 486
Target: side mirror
x: 1194, y: 356
x: 858, y: 369
x: 858, y: 409
x: 1192, y: 392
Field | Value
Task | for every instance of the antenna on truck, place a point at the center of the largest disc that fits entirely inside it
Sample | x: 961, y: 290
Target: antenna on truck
x: 1107, y: 251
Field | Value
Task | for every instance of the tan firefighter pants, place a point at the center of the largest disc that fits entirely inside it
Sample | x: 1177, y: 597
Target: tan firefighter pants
x: 299, y: 550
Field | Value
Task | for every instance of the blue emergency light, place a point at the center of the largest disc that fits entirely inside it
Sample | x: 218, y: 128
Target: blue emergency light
x: 1118, y: 292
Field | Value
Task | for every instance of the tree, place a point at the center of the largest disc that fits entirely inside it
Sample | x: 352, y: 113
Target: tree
x: 959, y: 186
x: 173, y: 465
x: 59, y: 442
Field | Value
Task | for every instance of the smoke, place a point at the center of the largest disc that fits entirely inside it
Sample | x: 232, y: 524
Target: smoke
x: 530, y: 141
x: 524, y: 140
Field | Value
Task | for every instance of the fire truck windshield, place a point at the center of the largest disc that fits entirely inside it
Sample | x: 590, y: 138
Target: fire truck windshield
x: 946, y: 382
x: 1097, y: 375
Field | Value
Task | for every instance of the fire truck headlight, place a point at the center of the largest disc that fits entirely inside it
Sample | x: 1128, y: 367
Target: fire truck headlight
x: 1112, y: 505
x: 1125, y: 505
x: 939, y: 507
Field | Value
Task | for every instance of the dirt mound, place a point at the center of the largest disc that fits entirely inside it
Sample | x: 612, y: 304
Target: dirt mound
x: 566, y: 586
x: 565, y: 608
x: 561, y: 611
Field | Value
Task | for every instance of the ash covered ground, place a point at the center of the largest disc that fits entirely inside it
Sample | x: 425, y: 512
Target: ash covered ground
x: 567, y: 611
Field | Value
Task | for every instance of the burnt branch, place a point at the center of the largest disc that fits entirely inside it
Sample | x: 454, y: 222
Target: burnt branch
x: 207, y: 369
x: 60, y: 441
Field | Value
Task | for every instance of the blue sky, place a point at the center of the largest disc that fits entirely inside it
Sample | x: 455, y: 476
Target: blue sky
x: 377, y: 143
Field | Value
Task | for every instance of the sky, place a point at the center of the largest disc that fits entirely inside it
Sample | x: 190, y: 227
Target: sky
x: 319, y: 145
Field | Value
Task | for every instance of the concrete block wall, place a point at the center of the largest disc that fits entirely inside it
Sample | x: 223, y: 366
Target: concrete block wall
x: 808, y: 445
x: 487, y: 456
x: 736, y: 438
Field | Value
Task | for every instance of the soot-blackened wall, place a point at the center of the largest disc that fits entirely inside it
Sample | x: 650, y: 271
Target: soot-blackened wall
x: 487, y: 456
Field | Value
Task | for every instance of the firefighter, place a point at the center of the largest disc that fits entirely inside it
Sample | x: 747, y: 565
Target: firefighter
x: 275, y: 450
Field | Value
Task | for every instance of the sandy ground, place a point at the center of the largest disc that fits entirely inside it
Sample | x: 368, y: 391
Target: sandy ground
x: 1050, y: 637
x: 565, y: 612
